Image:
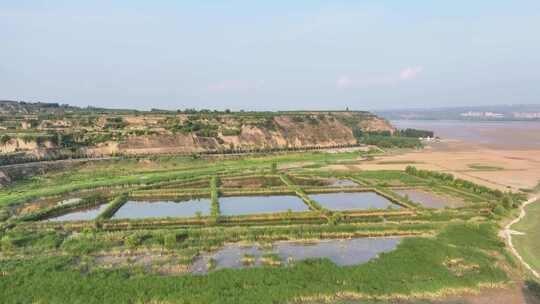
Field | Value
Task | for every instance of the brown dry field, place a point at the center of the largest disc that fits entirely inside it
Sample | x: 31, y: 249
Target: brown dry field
x: 520, y: 168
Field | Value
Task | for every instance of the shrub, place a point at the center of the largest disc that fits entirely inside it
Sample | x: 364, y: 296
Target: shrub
x: 7, y: 243
x: 414, y: 133
x: 507, y: 203
x: 499, y: 210
x: 170, y: 240
x: 214, y: 196
x: 273, y: 168
x: 4, y: 139
x: 133, y: 240
x: 391, y: 141
x: 113, y: 206
x: 231, y: 132
x: 4, y: 215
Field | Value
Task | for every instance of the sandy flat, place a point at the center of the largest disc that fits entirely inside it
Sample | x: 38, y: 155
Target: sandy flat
x: 519, y: 168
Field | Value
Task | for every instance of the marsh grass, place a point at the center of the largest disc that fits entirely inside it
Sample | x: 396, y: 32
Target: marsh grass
x: 416, y: 266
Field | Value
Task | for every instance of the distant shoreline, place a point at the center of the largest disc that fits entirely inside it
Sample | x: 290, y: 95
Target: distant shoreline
x: 467, y: 120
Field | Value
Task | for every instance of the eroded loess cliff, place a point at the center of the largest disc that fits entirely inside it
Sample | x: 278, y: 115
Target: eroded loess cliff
x: 95, y: 133
x: 242, y: 132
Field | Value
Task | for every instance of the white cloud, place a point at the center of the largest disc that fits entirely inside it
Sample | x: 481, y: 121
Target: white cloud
x: 405, y: 74
x: 410, y: 73
x: 235, y: 85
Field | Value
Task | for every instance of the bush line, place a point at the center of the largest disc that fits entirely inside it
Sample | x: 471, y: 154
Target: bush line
x: 214, y: 196
x: 113, y: 206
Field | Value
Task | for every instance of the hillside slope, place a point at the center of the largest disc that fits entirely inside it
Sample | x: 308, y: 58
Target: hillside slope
x: 44, y: 134
x: 230, y: 133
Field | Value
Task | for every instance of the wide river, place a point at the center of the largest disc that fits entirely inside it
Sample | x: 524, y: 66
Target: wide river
x: 518, y: 135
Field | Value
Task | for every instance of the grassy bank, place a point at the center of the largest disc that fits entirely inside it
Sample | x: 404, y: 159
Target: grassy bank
x: 528, y: 245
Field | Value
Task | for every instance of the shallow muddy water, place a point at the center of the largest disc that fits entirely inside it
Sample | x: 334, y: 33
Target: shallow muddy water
x: 493, y: 134
x: 149, y: 209
x: 252, y: 182
x: 352, y: 201
x: 342, y: 252
x: 342, y: 183
x: 430, y: 199
x: 86, y: 214
x: 242, y: 205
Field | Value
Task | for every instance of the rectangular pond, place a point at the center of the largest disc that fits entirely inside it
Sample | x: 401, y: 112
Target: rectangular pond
x: 352, y: 201
x: 341, y: 183
x: 430, y: 199
x: 342, y: 252
x: 252, y: 182
x: 85, y: 214
x: 150, y: 209
x: 242, y: 205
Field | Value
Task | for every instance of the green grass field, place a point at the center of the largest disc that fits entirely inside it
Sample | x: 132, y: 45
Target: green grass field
x: 442, y: 251
x: 528, y: 245
x: 418, y: 266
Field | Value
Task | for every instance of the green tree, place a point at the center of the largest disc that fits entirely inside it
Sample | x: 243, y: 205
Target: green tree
x: 274, y: 168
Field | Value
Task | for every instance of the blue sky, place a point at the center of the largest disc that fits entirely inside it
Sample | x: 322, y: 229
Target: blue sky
x: 277, y: 55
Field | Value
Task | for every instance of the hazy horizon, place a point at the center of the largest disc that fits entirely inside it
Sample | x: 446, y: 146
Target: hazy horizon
x: 319, y: 55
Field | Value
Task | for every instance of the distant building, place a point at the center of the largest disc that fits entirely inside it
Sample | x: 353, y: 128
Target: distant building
x: 494, y: 115
x: 526, y: 115
x: 472, y: 114
x: 482, y: 114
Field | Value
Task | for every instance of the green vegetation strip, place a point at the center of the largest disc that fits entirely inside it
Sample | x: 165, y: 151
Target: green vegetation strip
x: 128, y: 174
x: 171, y: 193
x: 255, y: 191
x: 393, y: 197
x: 214, y: 197
x: 527, y: 244
x: 313, y: 205
x: 113, y: 206
x: 481, y: 167
x: 462, y: 184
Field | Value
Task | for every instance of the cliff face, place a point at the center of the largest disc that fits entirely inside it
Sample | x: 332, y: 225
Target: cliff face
x: 102, y: 134
x: 18, y: 144
x: 328, y: 129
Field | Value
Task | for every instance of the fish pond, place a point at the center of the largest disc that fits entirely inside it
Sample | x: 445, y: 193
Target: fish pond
x: 152, y: 209
x: 85, y: 214
x: 243, y: 205
x: 341, y: 183
x: 353, y: 201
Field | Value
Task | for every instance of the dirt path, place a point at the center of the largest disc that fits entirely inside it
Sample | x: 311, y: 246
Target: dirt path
x: 507, y: 234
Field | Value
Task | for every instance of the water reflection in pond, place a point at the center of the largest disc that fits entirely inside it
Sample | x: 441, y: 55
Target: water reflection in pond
x: 149, y: 209
x: 241, y: 205
x: 341, y: 252
x: 85, y: 214
x: 342, y: 183
x: 352, y: 200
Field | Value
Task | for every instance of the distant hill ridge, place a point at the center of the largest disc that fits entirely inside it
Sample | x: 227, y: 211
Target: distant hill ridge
x: 45, y: 129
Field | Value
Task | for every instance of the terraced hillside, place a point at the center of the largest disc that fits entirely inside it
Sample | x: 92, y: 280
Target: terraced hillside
x: 50, y: 130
